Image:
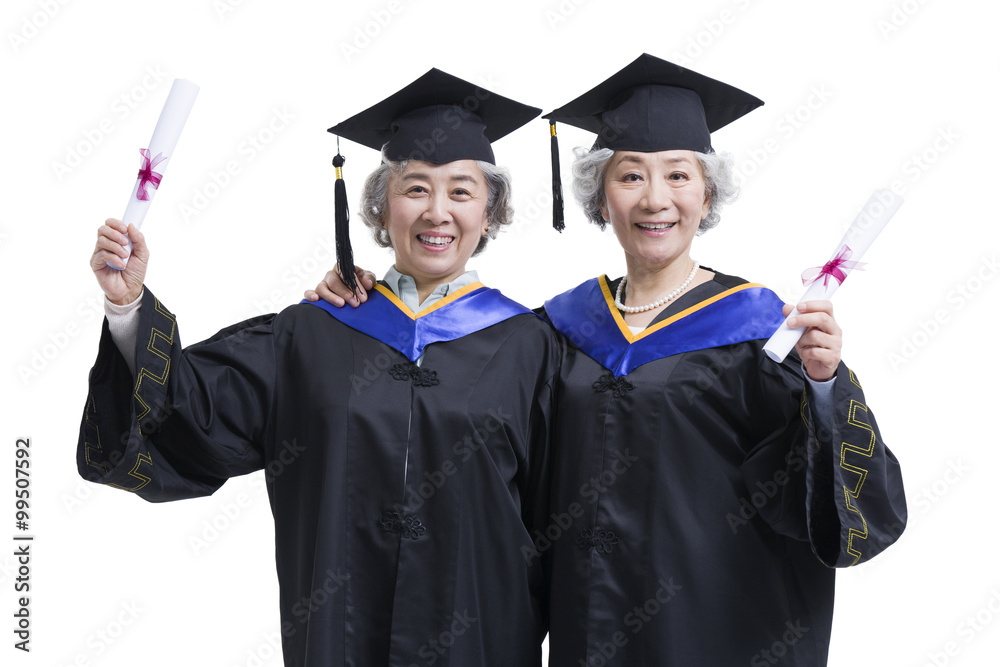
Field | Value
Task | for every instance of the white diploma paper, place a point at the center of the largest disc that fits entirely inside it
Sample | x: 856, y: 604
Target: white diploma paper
x: 881, y: 206
x: 168, y: 131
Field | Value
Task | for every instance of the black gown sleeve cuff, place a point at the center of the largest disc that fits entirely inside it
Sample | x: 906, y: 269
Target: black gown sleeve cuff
x: 122, y: 413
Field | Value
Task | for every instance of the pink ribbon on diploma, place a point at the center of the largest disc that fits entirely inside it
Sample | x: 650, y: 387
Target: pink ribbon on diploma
x: 835, y: 268
x: 147, y: 175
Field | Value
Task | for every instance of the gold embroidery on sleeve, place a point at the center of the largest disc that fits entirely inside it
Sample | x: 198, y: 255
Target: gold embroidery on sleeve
x: 854, y: 378
x: 161, y: 379
x: 145, y: 373
x: 89, y: 446
x: 812, y: 443
x: 135, y: 474
x: 854, y: 419
x: 804, y: 408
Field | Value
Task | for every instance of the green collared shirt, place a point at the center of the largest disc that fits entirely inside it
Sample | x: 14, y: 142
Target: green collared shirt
x: 405, y: 288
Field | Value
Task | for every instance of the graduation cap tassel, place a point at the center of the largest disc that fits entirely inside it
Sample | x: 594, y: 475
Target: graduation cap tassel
x: 342, y: 218
x: 558, y: 222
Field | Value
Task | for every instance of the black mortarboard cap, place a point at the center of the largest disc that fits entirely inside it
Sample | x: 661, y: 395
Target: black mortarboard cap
x: 438, y: 118
x: 654, y: 105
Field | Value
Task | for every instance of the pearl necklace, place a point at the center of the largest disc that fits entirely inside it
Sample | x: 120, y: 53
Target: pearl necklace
x: 656, y: 304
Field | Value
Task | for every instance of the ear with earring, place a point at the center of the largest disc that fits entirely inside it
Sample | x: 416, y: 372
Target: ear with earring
x: 383, y: 232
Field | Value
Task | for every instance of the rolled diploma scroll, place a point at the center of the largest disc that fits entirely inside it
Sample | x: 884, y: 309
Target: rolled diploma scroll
x: 168, y: 131
x: 881, y: 206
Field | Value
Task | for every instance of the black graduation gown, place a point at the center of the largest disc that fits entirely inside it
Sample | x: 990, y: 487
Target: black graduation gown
x: 697, y: 507
x: 403, y: 497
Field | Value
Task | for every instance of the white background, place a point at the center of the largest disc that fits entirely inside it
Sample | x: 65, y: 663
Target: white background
x: 869, y: 86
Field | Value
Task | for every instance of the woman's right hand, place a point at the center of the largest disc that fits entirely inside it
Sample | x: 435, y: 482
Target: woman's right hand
x: 334, y: 291
x: 121, y: 287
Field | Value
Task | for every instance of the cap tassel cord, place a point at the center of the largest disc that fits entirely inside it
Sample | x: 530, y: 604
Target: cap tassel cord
x: 342, y: 218
x: 558, y: 221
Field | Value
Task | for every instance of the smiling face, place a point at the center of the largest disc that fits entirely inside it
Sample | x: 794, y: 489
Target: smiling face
x: 655, y: 202
x: 435, y: 218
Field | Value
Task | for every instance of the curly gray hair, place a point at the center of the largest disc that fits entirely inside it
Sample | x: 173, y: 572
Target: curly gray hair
x: 375, y: 200
x: 590, y: 167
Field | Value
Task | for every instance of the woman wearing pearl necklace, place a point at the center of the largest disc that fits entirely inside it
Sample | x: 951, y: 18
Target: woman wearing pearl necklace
x: 712, y: 490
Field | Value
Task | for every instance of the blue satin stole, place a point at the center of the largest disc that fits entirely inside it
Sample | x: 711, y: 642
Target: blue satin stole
x: 387, y: 319
x: 587, y: 316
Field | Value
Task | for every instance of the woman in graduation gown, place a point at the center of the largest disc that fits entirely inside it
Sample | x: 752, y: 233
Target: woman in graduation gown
x: 711, y: 489
x: 404, y: 445
x: 702, y: 493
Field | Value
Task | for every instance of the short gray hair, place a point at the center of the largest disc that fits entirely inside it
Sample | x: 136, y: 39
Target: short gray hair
x: 590, y: 167
x: 375, y: 200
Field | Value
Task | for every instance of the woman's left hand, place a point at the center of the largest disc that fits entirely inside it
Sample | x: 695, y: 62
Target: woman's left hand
x: 819, y: 347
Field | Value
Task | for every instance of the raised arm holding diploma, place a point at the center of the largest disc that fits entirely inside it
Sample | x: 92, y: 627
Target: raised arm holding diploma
x: 156, y: 158
x: 823, y: 281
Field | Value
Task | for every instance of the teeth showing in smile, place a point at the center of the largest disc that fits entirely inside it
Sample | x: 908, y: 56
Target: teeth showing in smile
x: 656, y: 226
x: 435, y: 240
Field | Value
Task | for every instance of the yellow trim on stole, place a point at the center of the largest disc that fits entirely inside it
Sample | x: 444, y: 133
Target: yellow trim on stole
x: 454, y: 296
x: 631, y: 337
